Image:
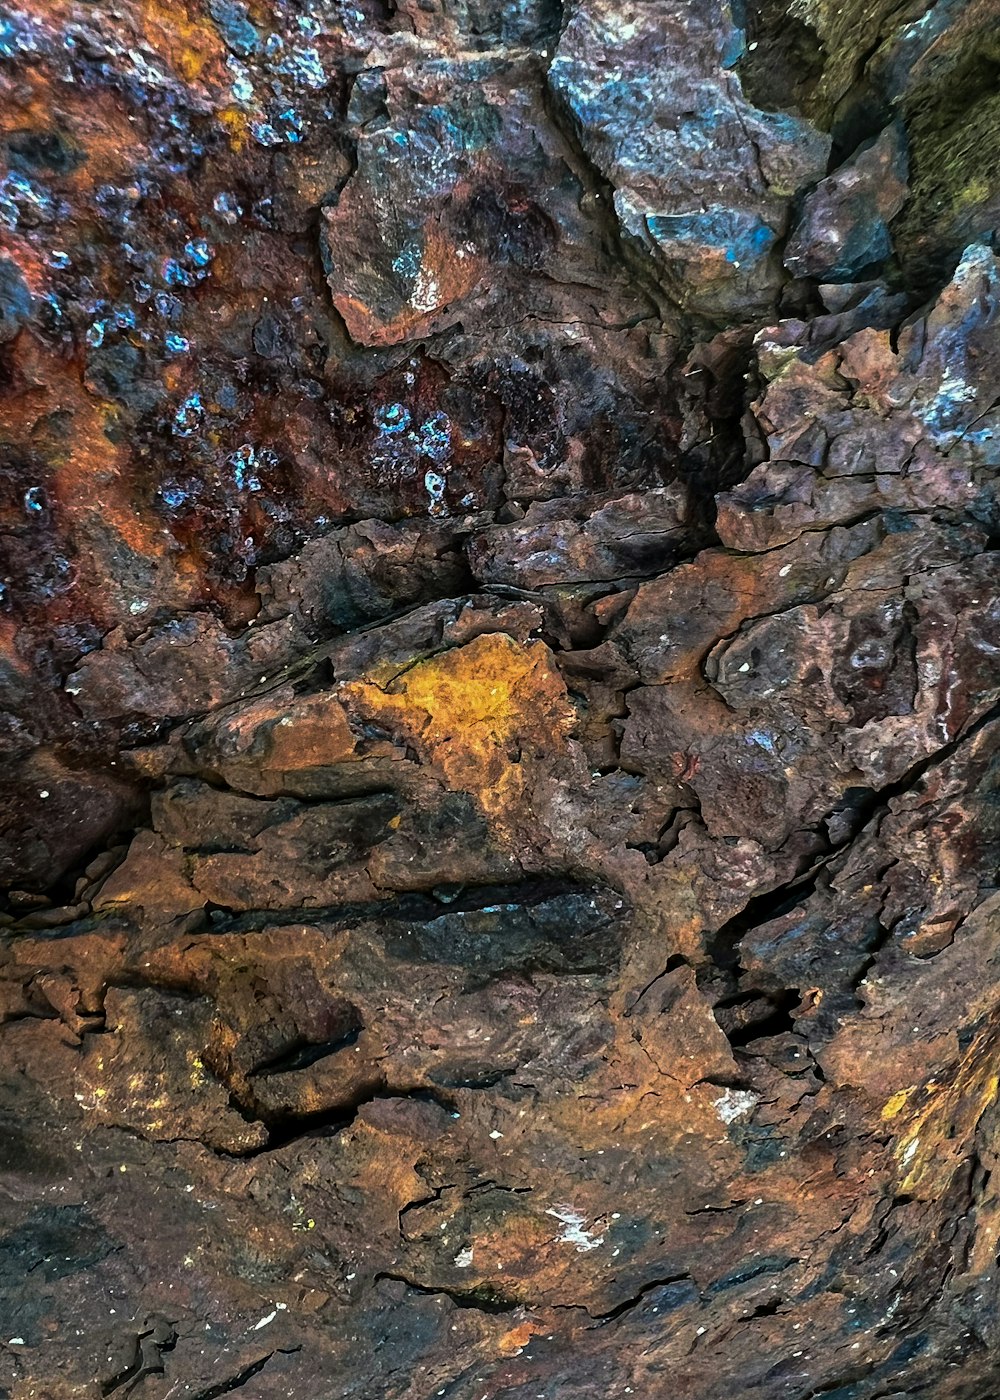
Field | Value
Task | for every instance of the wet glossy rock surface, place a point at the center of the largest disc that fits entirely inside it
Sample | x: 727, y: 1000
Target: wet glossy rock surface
x: 499, y: 677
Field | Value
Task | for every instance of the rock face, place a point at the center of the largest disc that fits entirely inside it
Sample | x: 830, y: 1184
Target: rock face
x: 499, y: 700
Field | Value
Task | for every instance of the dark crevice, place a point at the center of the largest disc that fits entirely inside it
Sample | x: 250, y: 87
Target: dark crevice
x: 412, y: 906
x: 482, y: 1299
x: 226, y: 1387
x: 724, y: 945
x: 774, y: 1014
x: 865, y: 808
x: 621, y: 1308
x: 286, y: 1126
x: 304, y: 1053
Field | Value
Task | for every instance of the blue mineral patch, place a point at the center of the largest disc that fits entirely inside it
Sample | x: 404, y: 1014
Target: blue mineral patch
x: 34, y: 501
x: 435, y: 485
x: 177, y: 276
x: 407, y: 261
x: 246, y: 461
x: 392, y: 418
x: 433, y: 437
x: 304, y: 66
x: 242, y: 86
x: 952, y: 405
x: 19, y: 34
x: 620, y: 105
x: 188, y: 417
x: 227, y: 206
x: 15, y: 299
x: 741, y: 237
x: 733, y: 49
x: 199, y: 251
x: 234, y: 25
x: 285, y: 126
x: 173, y: 496
x: 20, y: 196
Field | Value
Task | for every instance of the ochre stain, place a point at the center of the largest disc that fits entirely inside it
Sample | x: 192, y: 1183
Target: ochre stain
x: 476, y: 713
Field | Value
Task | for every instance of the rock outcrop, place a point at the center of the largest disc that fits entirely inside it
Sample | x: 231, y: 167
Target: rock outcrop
x: 500, y: 679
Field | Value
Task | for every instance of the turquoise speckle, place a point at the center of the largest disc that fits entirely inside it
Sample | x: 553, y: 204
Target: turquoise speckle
x: 392, y: 418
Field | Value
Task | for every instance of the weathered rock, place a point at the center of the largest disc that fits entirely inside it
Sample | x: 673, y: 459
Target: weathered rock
x: 499, y: 624
x: 844, y: 229
x: 702, y: 180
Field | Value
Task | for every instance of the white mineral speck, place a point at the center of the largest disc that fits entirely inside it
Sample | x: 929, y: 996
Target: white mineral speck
x: 573, y: 1231
x: 733, y: 1104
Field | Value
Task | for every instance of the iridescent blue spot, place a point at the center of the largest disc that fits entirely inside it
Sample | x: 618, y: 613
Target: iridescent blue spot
x: 34, y: 501
x: 176, y: 344
x: 242, y: 88
x: 188, y: 416
x: 264, y: 134
x: 435, y: 485
x: 234, y: 25
x: 303, y: 66
x: 433, y: 437
x: 246, y: 461
x: 293, y: 124
x: 228, y: 206
x: 124, y: 318
x: 734, y: 48
x: 95, y: 333
x: 167, y: 305
x: 16, y: 36
x: 199, y: 251
x: 392, y: 418
x: 742, y: 237
x: 176, y: 276
x: 407, y: 261
x: 173, y: 496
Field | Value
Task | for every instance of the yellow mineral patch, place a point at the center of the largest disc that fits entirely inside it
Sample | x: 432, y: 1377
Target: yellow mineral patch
x: 189, y: 45
x: 941, y: 1131
x: 234, y: 119
x: 477, y: 714
x: 896, y: 1103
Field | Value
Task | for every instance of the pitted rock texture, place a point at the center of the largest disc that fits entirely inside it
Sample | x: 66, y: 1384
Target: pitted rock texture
x: 499, y: 700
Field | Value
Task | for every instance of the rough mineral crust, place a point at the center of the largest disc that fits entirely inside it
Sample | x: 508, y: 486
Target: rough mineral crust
x: 499, y: 679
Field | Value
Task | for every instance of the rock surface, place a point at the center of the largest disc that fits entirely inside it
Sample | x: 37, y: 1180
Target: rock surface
x: 499, y: 700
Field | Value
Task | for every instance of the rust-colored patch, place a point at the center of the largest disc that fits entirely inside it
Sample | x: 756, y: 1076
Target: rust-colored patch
x: 482, y: 714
